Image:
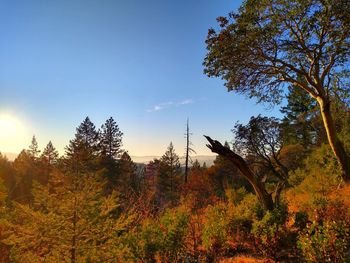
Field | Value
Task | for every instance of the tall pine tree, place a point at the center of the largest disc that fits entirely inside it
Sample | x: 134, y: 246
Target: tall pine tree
x: 50, y: 154
x: 81, y: 153
x: 110, y: 139
x: 34, y: 148
x: 169, y: 177
x: 110, y: 142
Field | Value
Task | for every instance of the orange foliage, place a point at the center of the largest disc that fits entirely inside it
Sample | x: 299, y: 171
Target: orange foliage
x: 297, y: 201
x: 341, y: 194
x: 245, y: 259
x: 199, y: 189
x: 301, y: 201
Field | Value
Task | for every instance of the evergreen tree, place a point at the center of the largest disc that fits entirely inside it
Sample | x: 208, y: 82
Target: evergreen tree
x: 24, y: 169
x: 150, y: 177
x: 81, y: 153
x: 33, y: 148
x: 109, y: 148
x: 3, y: 197
x: 4, y: 214
x: 110, y: 139
x: 127, y: 169
x: 44, y: 166
x: 50, y: 154
x: 196, y: 165
x: 7, y: 175
x: 86, y: 133
x: 70, y: 221
x: 302, y: 123
x: 169, y: 176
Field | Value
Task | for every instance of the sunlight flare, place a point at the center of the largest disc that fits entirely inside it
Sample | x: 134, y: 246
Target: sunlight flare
x: 12, y: 130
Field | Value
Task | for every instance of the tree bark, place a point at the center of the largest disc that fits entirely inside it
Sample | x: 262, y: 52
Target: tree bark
x: 337, y: 146
x: 264, y: 197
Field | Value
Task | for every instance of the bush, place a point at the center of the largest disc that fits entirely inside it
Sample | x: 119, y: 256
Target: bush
x: 270, y: 233
x: 227, y: 226
x: 319, y: 174
x: 326, y: 242
x: 246, y: 212
x: 249, y: 208
x: 318, y: 178
x: 326, y: 239
x: 161, y: 239
x: 175, y: 224
x: 215, y: 226
x: 235, y: 196
x: 150, y: 241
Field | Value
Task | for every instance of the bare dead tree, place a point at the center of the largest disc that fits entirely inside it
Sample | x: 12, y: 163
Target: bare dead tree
x: 188, y: 150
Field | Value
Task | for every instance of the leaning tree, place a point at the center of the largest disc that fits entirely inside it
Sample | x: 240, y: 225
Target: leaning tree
x: 257, y: 153
x: 269, y: 45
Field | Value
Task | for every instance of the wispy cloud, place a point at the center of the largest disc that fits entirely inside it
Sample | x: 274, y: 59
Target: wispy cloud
x: 169, y: 104
x: 161, y: 106
x: 184, y: 102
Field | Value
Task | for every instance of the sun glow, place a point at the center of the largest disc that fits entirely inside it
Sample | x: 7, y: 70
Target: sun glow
x: 12, y: 133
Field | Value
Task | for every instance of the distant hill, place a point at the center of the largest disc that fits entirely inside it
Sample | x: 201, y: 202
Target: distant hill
x: 144, y: 159
x: 10, y: 156
x: 208, y: 159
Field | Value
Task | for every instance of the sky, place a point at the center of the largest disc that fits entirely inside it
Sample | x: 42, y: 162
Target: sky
x: 137, y: 61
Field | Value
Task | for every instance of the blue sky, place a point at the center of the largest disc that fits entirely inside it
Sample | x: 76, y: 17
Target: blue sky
x: 138, y: 61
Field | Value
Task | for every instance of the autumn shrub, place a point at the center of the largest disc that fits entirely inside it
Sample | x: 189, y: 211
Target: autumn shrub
x: 319, y: 173
x: 245, y: 259
x: 161, y: 239
x: 325, y: 242
x: 318, y: 178
x: 300, y: 220
x: 198, y: 190
x: 227, y: 225
x: 216, y: 229
x: 174, y: 224
x: 249, y: 208
x: 327, y: 237
x: 235, y: 196
x: 246, y: 212
x: 150, y: 239
x: 270, y: 233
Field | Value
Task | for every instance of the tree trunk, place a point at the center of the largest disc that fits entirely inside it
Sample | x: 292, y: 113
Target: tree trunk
x: 187, y: 151
x: 74, y: 223
x: 336, y: 145
x: 73, y: 248
x: 264, y: 197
